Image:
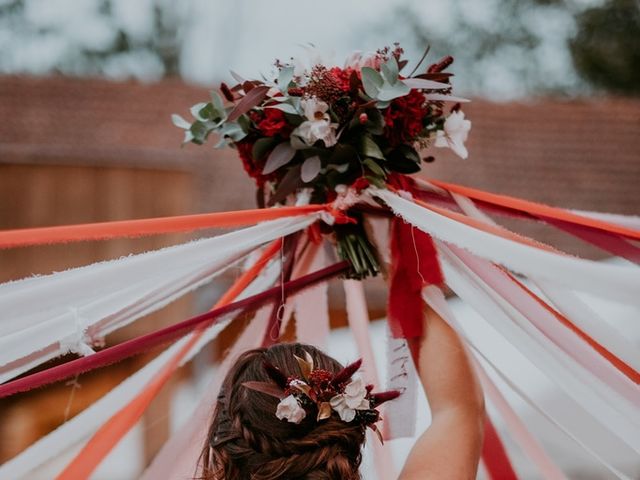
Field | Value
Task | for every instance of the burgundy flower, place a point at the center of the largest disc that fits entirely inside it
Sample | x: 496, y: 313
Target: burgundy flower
x: 274, y: 123
x: 403, y: 118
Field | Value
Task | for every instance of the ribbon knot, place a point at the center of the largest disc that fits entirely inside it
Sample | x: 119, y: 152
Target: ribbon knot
x: 79, y: 341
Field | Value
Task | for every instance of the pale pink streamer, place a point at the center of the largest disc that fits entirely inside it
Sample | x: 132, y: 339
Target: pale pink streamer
x: 530, y: 446
x: 358, y: 317
x: 311, y: 306
x: 179, y: 455
x: 550, y: 326
x: 566, y: 300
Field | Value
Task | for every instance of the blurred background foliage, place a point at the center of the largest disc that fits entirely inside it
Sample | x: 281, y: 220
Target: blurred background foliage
x: 504, y: 49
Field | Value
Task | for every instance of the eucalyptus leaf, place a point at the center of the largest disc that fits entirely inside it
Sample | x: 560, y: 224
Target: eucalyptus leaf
x: 280, y: 156
x: 237, y: 77
x: 199, y: 131
x: 233, y: 131
x: 422, y: 83
x: 285, y: 107
x: 188, y: 137
x: 180, y: 122
x: 310, y: 168
x: 389, y: 92
x: 210, y: 114
x: 216, y: 101
x: 371, y: 81
x: 297, y: 143
x: 244, y: 122
x: 369, y: 148
x: 390, y: 71
x: 195, y: 111
x: 338, y: 168
x: 440, y: 97
x: 285, y: 77
x: 261, y: 147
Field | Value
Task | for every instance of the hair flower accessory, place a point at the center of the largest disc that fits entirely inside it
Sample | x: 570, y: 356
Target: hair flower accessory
x: 321, y: 393
x: 290, y: 409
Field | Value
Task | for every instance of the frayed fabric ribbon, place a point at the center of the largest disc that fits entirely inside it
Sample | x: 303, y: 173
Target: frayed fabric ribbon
x: 414, y: 265
x: 145, y: 342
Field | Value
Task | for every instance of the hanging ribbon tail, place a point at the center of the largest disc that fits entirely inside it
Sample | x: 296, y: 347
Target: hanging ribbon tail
x: 414, y: 265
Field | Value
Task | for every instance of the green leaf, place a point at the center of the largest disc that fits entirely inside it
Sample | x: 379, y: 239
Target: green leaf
x: 371, y: 81
x: 195, y: 111
x: 389, y: 92
x: 285, y: 107
x: 217, y: 101
x: 233, y: 131
x: 376, y: 181
x: 199, y: 131
x: 279, y: 156
x: 180, y: 122
x: 244, y: 122
x: 285, y: 77
x: 188, y: 137
x: 390, y: 70
x: 369, y: 148
x: 262, y: 146
x: 297, y: 143
x: 374, y: 167
x: 375, y: 123
x: 403, y: 159
x: 338, y: 168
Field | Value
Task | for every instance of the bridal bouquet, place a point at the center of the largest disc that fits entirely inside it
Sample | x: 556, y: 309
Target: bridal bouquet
x: 324, y: 129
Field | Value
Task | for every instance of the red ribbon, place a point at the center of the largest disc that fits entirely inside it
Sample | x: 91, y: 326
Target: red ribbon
x: 414, y: 264
x: 494, y: 455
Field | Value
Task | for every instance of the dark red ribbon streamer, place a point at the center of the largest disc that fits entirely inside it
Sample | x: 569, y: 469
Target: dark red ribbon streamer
x: 145, y: 342
x: 494, y: 455
x: 414, y: 264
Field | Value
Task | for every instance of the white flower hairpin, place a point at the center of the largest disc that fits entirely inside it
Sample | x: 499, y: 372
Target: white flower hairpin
x: 321, y: 393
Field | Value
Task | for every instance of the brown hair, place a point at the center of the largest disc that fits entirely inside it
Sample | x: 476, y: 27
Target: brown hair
x: 246, y: 440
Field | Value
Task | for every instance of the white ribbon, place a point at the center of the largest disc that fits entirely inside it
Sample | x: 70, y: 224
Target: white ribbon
x: 38, y: 312
x: 617, y: 282
x: 79, y: 429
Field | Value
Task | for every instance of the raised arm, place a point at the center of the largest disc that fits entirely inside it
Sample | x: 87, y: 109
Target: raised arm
x: 450, y: 448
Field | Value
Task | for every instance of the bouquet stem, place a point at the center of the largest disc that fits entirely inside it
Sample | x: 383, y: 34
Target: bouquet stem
x: 355, y: 247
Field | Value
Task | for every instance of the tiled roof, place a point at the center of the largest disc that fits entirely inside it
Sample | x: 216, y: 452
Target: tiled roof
x: 575, y: 154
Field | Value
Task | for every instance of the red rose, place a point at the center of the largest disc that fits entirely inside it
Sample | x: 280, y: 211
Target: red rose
x: 274, y: 123
x: 403, y: 118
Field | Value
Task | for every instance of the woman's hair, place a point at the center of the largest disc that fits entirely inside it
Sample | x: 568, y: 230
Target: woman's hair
x: 247, y: 441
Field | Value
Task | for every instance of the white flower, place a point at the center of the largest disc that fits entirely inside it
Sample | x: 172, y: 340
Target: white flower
x: 357, y: 60
x: 290, y: 409
x: 352, y: 399
x: 456, y: 130
x: 318, y: 125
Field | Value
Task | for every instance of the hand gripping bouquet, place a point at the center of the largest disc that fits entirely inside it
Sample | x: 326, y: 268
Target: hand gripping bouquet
x: 324, y: 132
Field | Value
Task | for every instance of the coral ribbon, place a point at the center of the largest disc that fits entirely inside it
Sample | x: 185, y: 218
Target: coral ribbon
x: 414, y: 264
x: 538, y: 209
x: 118, y: 425
x: 145, y: 342
x: 147, y: 226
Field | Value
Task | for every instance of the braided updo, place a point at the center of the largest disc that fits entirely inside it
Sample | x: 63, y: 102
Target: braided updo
x: 246, y: 440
